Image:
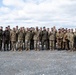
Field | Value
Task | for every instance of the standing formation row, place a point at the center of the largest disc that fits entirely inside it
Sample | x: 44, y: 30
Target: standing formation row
x: 37, y: 38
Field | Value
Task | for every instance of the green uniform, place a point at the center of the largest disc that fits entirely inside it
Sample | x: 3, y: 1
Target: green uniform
x: 44, y: 40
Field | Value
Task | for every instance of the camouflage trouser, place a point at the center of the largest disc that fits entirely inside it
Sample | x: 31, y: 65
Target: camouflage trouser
x: 59, y: 44
x: 27, y: 44
x: 20, y: 44
x: 71, y: 44
x: 65, y: 46
x: 13, y: 45
x: 44, y: 45
x: 52, y: 44
x: 36, y: 44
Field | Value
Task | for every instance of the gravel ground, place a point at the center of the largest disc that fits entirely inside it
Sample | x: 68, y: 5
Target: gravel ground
x: 38, y: 63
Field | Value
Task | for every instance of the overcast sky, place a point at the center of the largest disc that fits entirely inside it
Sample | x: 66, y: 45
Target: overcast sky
x: 28, y: 13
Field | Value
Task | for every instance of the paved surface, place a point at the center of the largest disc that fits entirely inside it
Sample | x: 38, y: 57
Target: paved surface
x: 38, y: 63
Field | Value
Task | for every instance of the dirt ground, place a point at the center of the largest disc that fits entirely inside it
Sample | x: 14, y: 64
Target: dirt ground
x: 38, y: 63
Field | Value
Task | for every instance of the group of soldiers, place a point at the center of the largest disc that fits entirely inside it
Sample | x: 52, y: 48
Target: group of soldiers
x: 18, y: 39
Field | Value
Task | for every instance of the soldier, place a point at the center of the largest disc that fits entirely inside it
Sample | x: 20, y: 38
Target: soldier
x: 44, y: 39
x: 71, y: 43
x: 17, y: 31
x: 27, y: 39
x: 20, y: 39
x: 62, y: 34
x: 23, y: 29
x: 65, y: 40
x: 68, y: 38
x: 75, y: 40
x: 48, y: 30
x: 55, y: 31
x: 1, y: 37
x: 40, y: 38
x: 10, y: 44
x: 59, y: 38
x: 6, y: 39
x: 31, y: 38
x: 13, y: 39
x: 52, y: 39
x: 36, y: 39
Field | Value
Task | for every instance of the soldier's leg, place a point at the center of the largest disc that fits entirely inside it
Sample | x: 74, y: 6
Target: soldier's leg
x: 18, y: 45
x: 53, y: 45
x: 35, y: 45
x: 58, y: 44
x: 42, y: 44
x: 50, y: 45
x: 4, y: 45
x: 12, y: 45
x: 21, y: 45
x: 28, y: 45
x: 46, y: 43
x: 7, y: 45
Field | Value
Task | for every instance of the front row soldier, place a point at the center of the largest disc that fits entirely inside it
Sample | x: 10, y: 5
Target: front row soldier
x: 27, y: 39
x: 1, y: 38
x: 36, y: 39
x: 59, y: 38
x: 20, y: 39
x: 52, y: 39
x: 75, y: 40
x: 13, y: 39
x: 6, y: 39
x: 71, y: 43
x: 44, y: 39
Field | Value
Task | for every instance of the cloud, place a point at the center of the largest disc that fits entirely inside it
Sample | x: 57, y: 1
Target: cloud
x: 38, y: 12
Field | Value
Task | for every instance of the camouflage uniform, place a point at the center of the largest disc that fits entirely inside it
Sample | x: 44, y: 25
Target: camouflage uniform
x: 36, y: 40
x: 59, y: 37
x: 20, y: 40
x: 13, y: 39
x: 27, y: 39
x: 71, y: 43
x: 65, y: 40
x: 52, y: 40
